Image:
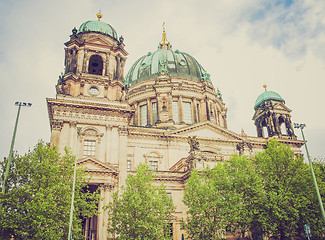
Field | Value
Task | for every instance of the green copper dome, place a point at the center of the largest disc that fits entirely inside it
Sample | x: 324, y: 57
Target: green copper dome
x: 267, y: 95
x: 98, y: 27
x: 176, y: 64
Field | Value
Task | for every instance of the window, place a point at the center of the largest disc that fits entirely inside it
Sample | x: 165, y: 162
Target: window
x: 93, y: 91
x: 143, y: 115
x: 187, y: 111
x: 154, y: 113
x: 153, y: 165
x: 169, y: 195
x: 129, y: 165
x: 89, y: 148
x: 175, y: 111
x: 95, y: 65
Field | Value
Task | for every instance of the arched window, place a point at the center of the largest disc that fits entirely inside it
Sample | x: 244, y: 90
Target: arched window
x: 95, y: 65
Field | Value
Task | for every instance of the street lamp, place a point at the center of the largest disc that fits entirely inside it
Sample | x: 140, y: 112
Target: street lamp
x: 19, y: 104
x: 73, y: 186
x: 302, y: 126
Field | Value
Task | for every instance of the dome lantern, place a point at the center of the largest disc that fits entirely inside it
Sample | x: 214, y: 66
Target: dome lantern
x: 272, y: 117
x: 98, y: 27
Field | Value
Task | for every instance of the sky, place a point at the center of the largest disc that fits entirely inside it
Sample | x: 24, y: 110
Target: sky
x: 243, y: 44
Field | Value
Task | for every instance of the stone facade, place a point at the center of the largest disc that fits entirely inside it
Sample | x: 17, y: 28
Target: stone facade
x: 174, y: 124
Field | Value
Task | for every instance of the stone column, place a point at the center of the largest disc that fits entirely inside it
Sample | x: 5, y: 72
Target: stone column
x: 73, y: 137
x: 203, y: 110
x: 149, y: 112
x: 56, y: 132
x: 136, y: 114
x: 195, y: 112
x: 123, y: 60
x: 114, y: 146
x: 118, y: 67
x: 170, y: 106
x: 180, y: 109
x: 107, y: 143
x: 106, y: 196
x: 107, y: 64
x: 158, y: 107
x: 85, y: 60
x: 123, y: 154
x: 100, y: 219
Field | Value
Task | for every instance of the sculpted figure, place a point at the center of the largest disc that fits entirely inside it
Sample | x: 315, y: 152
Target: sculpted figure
x: 193, y: 142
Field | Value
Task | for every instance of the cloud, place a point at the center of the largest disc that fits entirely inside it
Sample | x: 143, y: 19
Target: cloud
x: 292, y: 27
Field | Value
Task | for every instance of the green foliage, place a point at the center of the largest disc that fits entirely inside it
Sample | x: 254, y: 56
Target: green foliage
x: 270, y: 195
x: 290, y: 198
x: 211, y: 202
x: 141, y: 210
x: 249, y: 187
x: 36, y: 204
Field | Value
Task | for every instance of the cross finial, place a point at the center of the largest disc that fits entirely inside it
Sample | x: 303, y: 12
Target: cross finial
x: 264, y: 86
x: 164, y: 41
x: 99, y: 15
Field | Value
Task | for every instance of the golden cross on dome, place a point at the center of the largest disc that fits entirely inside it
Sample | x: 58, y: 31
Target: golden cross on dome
x: 164, y: 38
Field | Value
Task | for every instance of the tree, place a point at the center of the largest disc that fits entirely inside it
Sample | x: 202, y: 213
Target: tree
x: 36, y: 204
x: 248, y: 185
x: 141, y: 210
x: 290, y: 199
x: 210, y: 201
x: 270, y: 195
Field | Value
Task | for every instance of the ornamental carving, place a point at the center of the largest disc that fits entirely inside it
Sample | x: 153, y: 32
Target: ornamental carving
x: 194, y: 143
x: 91, y: 133
x: 241, y: 147
x: 57, y: 125
x: 153, y: 156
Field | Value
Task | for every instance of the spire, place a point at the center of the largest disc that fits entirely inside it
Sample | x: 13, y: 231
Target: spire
x: 164, y: 41
x: 99, y: 15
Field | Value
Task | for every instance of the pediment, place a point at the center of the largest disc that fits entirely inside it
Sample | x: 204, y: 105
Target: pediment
x: 90, y: 164
x: 99, y: 41
x: 277, y: 108
x: 208, y: 130
x: 281, y: 107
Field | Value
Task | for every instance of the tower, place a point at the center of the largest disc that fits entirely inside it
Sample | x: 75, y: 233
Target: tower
x: 90, y: 114
x: 272, y: 117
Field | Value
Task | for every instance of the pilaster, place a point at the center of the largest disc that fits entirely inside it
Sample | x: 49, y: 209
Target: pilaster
x: 123, y: 152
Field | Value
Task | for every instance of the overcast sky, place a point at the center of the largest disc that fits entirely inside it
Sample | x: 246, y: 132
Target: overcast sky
x: 243, y: 44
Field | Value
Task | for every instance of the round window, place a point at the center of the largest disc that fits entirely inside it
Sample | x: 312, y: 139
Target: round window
x: 93, y: 91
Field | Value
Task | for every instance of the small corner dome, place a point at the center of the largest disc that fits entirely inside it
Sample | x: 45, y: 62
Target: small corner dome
x: 267, y: 95
x: 178, y: 65
x: 98, y: 27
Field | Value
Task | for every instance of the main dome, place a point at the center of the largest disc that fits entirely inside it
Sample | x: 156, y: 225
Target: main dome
x: 176, y: 64
x: 267, y: 95
x: 98, y: 26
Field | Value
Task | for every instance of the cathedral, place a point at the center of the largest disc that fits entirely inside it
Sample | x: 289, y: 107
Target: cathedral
x: 164, y: 112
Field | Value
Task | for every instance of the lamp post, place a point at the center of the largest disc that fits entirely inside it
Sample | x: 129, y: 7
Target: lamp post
x: 19, y: 104
x: 73, y: 186
x: 302, y: 126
